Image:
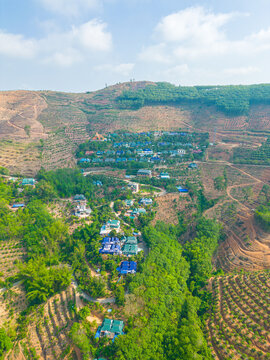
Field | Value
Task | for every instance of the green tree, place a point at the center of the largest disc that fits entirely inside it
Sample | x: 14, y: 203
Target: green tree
x: 5, y: 342
x: 120, y: 295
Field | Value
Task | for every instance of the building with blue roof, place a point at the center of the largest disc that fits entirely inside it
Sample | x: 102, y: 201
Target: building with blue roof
x: 28, y: 181
x: 146, y: 201
x: 193, y: 166
x: 110, y: 240
x: 181, y: 189
x: 164, y: 175
x: 18, y: 205
x: 84, y: 160
x: 111, y: 328
x: 97, y: 183
x: 110, y: 249
x: 127, y: 267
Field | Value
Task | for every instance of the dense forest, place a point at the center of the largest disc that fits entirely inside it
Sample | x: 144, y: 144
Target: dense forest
x: 233, y: 100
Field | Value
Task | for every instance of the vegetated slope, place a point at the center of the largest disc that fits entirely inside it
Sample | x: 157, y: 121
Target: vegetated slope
x: 19, y: 111
x: 63, y: 120
x: 238, y: 325
x: 20, y: 130
x: 246, y: 247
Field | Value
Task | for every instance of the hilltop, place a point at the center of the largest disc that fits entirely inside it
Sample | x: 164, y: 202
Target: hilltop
x: 43, y: 128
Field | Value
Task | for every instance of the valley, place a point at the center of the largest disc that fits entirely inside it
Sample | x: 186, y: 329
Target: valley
x: 134, y: 224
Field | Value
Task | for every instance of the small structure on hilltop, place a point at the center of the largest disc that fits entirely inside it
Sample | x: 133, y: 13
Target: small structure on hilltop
x: 97, y: 183
x: 131, y: 246
x: 138, y: 211
x: 110, y: 240
x: 181, y: 152
x: 164, y: 175
x: 110, y: 246
x: 128, y: 202
x: 144, y: 172
x: 146, y: 201
x: 181, y: 189
x: 81, y: 208
x: 84, y: 160
x: 134, y: 187
x: 145, y: 152
x: 127, y: 267
x: 193, y: 166
x: 28, y: 181
x: 18, y: 205
x: 110, y: 328
x: 98, y: 137
x: 130, y: 249
x: 155, y: 159
x: 109, y: 226
x: 79, y: 198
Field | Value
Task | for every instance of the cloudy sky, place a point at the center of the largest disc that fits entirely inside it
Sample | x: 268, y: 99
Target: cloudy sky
x: 81, y: 45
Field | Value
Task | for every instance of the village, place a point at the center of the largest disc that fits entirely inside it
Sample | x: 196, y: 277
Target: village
x: 118, y: 199
x: 149, y: 148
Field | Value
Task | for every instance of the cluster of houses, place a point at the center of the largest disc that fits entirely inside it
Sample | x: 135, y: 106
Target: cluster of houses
x: 155, y: 150
x: 127, y: 246
x: 132, y: 213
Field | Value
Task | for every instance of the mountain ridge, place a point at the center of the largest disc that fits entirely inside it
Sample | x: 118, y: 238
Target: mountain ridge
x: 51, y: 124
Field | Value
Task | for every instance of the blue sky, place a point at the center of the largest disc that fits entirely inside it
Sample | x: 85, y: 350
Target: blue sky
x: 81, y: 45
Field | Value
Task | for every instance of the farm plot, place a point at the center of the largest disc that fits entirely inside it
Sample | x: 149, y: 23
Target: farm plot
x: 47, y: 335
x: 169, y: 207
x: 246, y: 246
x: 12, y: 303
x: 238, y: 324
x: 21, y: 157
x: 58, y: 152
x: 10, y: 253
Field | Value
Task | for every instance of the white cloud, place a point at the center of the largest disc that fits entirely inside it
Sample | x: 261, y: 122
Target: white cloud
x: 15, y: 45
x: 122, y: 69
x: 196, y: 38
x: 66, y: 58
x: 188, y: 34
x: 71, y: 8
x: 177, y: 70
x: 194, y: 25
x: 81, y: 42
x: 93, y: 36
x: 242, y: 70
x: 155, y: 53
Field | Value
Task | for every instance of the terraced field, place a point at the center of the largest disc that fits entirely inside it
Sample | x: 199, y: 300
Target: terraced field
x: 238, y: 325
x: 20, y: 156
x: 47, y: 333
x: 10, y: 253
x: 246, y: 246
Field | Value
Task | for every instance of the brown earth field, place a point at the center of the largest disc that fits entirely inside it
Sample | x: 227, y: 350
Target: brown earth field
x: 63, y: 120
x: 246, y: 246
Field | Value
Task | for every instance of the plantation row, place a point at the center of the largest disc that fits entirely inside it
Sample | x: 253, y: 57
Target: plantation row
x: 238, y: 325
x: 48, y: 330
x: 10, y: 254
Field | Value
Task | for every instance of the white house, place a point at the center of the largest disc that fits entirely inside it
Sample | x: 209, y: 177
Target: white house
x: 109, y: 226
x: 181, y: 152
